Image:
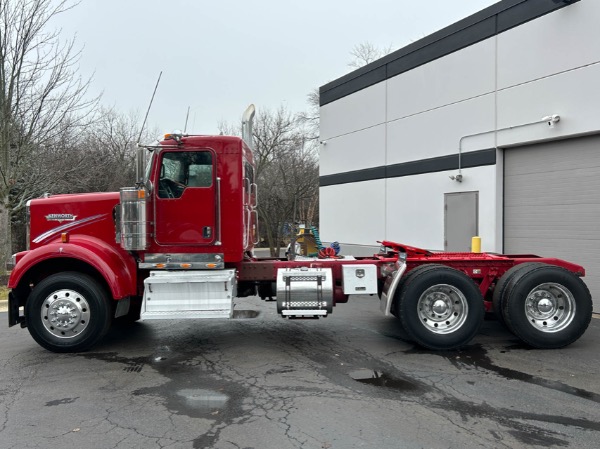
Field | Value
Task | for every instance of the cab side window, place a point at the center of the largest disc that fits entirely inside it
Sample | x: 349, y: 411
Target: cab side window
x: 180, y: 170
x: 200, y: 170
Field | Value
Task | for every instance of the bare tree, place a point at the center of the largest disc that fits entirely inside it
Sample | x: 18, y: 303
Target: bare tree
x: 365, y: 53
x: 109, y: 146
x: 41, y: 99
x: 275, y: 134
x: 100, y: 158
x: 289, y: 194
x: 284, y: 157
x: 287, y: 173
x: 310, y: 118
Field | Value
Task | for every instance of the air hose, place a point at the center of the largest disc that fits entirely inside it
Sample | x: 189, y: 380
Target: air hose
x: 315, y: 233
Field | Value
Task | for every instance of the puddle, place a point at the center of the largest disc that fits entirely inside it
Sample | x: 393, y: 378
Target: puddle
x: 212, y: 397
x: 190, y: 390
x: 381, y: 379
x: 475, y: 356
x: 202, y: 399
x: 245, y: 314
x: 61, y: 401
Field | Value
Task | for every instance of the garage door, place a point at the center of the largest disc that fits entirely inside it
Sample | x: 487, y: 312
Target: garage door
x: 552, y: 203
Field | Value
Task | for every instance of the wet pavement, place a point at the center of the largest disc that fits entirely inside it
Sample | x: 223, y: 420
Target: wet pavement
x: 350, y: 380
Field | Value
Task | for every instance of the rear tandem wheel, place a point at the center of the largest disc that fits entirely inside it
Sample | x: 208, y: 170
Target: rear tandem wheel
x: 499, y: 295
x: 547, y: 306
x: 439, y: 307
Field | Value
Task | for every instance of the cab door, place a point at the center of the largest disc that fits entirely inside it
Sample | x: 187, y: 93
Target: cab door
x: 185, y: 198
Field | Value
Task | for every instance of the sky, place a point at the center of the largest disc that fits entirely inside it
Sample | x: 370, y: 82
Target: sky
x: 217, y: 57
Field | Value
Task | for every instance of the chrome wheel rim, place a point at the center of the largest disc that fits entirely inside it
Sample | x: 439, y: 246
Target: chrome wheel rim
x: 550, y: 307
x: 65, y: 313
x: 442, y: 308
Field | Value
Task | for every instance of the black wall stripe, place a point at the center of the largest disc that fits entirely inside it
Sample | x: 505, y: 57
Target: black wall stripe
x: 436, y: 164
x: 489, y: 22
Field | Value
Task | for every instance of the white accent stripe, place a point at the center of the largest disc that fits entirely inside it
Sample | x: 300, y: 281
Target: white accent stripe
x: 46, y: 235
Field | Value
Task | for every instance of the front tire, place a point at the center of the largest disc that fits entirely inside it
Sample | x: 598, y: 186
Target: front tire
x: 68, y: 312
x: 547, y: 306
x: 440, y: 307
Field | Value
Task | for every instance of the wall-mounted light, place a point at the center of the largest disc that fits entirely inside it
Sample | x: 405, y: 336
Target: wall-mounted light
x: 551, y: 120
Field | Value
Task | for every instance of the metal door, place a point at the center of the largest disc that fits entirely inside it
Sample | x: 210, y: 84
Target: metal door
x: 552, y: 203
x: 185, y: 195
x: 460, y: 220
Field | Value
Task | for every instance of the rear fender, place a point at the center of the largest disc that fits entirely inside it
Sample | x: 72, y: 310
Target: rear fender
x: 118, y: 268
x: 390, y: 286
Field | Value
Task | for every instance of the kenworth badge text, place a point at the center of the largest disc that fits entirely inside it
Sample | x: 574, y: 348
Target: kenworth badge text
x: 180, y: 245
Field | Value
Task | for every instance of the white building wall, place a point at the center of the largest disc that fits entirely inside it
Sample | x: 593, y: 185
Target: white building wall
x: 550, y: 66
x: 499, y: 89
x: 574, y: 95
x: 347, y: 152
x: 415, y: 206
x: 361, y: 110
x: 451, y: 79
x: 354, y: 213
x: 437, y: 132
x: 562, y: 41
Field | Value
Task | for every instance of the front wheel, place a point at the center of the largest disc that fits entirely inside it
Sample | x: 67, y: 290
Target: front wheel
x: 68, y: 312
x: 440, y: 307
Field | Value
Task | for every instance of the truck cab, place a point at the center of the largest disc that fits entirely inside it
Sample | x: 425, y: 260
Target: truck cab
x: 199, y: 198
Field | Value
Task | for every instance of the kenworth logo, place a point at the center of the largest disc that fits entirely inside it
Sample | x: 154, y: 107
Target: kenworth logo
x: 61, y: 217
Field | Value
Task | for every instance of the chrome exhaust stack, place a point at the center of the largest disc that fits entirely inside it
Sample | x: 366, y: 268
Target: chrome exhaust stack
x: 247, y: 122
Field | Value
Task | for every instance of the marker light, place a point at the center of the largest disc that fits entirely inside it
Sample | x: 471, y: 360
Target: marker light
x: 175, y: 135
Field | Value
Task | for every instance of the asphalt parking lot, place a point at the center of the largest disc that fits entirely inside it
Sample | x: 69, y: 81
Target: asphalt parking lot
x: 347, y: 381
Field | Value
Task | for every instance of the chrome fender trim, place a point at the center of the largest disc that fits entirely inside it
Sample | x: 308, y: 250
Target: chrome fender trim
x: 387, y: 296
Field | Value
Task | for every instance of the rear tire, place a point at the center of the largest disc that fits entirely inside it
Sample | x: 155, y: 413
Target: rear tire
x: 499, y: 295
x: 68, y: 312
x: 395, y: 309
x: 547, y: 306
x: 440, y: 307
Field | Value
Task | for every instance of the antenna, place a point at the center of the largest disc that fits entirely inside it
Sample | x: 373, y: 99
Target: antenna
x: 140, y: 155
x: 149, y: 106
x: 186, y: 120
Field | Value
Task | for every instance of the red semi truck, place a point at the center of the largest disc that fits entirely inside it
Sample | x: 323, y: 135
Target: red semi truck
x: 180, y: 245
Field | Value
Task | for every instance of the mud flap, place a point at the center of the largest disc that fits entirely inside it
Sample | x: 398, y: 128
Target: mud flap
x: 14, y: 315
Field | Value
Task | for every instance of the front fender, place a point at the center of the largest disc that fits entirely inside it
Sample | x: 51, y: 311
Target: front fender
x: 117, y: 267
